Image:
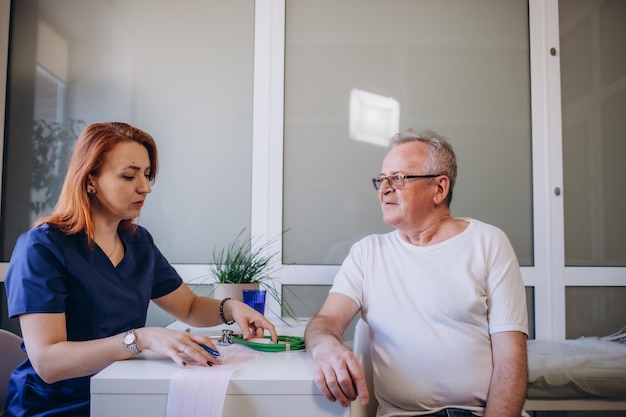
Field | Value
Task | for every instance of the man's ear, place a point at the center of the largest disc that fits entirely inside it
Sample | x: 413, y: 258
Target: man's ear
x: 443, y: 188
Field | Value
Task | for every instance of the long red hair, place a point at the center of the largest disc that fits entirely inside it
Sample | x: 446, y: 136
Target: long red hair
x: 72, y: 212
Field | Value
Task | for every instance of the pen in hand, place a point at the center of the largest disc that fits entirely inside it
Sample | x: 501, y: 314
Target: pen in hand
x: 211, y: 351
x: 205, y: 347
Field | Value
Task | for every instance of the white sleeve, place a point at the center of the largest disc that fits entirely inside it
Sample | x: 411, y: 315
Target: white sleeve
x: 350, y: 277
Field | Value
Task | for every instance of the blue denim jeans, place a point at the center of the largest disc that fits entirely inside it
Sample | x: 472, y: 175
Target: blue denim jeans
x: 451, y: 412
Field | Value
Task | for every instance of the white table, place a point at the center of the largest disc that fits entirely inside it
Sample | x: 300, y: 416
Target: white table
x: 275, y: 384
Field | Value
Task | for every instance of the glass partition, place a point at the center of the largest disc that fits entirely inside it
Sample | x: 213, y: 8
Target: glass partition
x: 593, y: 91
x: 594, y: 311
x: 357, y: 74
x: 165, y: 67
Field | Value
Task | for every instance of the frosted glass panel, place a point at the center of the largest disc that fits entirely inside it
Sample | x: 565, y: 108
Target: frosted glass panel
x: 181, y: 70
x: 468, y: 79
x: 594, y: 311
x: 593, y: 89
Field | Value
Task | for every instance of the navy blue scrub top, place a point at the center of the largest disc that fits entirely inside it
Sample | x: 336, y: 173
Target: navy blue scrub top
x: 51, y: 272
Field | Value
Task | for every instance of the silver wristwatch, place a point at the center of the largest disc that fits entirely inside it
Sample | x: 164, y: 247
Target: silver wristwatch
x: 130, y: 341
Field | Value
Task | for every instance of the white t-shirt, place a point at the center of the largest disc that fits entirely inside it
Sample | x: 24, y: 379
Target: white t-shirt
x: 431, y: 311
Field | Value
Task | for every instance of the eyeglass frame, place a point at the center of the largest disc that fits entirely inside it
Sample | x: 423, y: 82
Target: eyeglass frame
x: 378, y: 181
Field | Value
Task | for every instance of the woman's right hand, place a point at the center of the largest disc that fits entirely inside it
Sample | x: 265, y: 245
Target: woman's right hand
x: 182, y: 347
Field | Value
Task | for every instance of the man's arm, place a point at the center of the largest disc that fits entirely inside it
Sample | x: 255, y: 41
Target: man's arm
x: 509, y: 381
x: 336, y: 370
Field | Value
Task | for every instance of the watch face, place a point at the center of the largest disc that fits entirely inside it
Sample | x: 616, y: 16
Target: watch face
x: 129, y: 338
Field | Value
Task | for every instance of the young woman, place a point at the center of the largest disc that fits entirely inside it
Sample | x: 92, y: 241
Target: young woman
x: 80, y: 281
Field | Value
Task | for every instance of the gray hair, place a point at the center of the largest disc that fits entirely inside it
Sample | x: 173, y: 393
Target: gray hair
x: 441, y: 158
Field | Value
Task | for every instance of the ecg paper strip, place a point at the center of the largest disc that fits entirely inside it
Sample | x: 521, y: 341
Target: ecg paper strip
x: 201, y: 391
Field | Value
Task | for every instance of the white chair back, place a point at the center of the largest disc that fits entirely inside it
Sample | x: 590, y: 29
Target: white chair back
x: 362, y: 351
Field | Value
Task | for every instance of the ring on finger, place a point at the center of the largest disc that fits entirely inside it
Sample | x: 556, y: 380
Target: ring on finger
x: 184, y: 349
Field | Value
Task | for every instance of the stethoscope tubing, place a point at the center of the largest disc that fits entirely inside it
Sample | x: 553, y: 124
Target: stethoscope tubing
x: 285, y: 343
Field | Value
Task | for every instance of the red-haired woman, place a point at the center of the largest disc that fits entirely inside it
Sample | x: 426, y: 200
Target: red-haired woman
x: 80, y: 281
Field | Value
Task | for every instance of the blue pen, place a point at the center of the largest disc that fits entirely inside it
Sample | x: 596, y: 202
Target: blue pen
x: 211, y: 351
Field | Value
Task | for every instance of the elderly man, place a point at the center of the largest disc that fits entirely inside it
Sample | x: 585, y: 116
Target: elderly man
x: 443, y: 298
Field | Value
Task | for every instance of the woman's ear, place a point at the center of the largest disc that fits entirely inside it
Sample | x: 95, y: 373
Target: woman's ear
x: 91, y: 188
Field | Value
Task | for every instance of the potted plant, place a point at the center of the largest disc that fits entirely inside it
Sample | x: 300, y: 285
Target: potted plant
x: 244, y: 264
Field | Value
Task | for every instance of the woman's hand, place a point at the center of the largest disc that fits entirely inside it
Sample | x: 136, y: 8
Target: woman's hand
x: 181, y: 347
x: 251, y: 322
x: 55, y: 358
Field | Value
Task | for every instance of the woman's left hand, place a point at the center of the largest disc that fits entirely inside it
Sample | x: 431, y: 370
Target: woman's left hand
x: 251, y: 322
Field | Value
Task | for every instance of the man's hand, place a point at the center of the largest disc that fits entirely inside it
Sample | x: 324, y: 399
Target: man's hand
x: 338, y: 376
x: 336, y: 371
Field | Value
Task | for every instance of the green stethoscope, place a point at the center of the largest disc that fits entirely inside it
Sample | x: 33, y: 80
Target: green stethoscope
x: 285, y: 343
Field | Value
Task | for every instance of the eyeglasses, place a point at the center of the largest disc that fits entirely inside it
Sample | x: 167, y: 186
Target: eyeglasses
x: 397, y: 181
